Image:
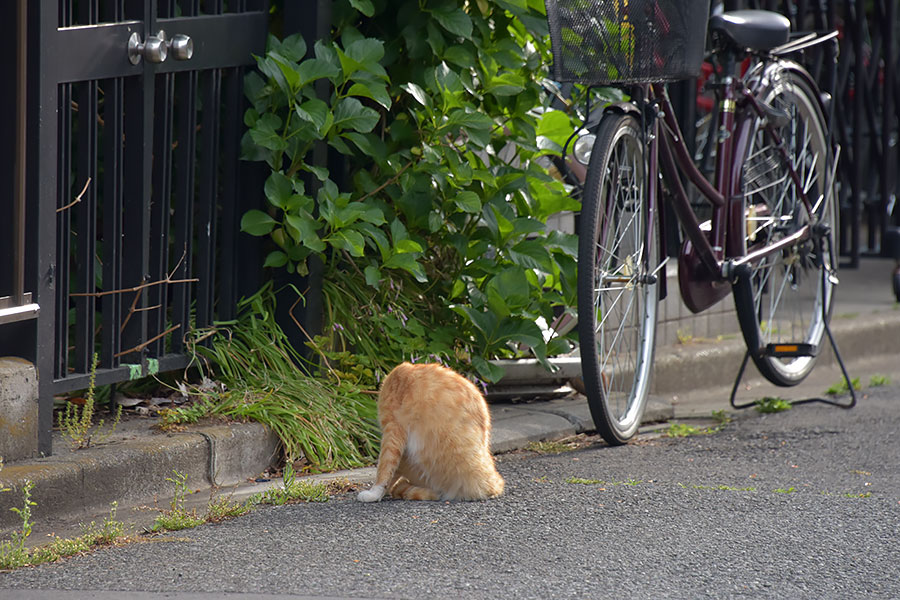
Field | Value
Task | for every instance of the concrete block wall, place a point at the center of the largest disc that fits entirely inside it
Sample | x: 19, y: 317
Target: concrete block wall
x: 678, y: 325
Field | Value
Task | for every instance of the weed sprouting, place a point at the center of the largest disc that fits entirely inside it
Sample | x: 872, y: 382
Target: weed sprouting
x: 293, y: 490
x: 14, y: 553
x: 841, y: 387
x: 76, y: 423
x: 177, y: 517
x: 721, y: 488
x: 557, y: 447
x: 581, y: 481
x: 879, y: 380
x: 771, y: 404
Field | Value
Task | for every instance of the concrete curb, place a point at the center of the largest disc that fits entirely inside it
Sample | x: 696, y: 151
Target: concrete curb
x: 85, y: 482
x: 704, y: 365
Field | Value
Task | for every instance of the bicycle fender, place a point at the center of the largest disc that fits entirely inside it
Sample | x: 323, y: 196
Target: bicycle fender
x: 622, y: 108
x: 823, y: 99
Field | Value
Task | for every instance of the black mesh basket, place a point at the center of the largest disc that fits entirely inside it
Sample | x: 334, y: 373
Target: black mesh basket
x: 627, y: 41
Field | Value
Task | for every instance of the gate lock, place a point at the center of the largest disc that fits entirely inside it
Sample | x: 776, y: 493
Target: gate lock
x: 157, y: 48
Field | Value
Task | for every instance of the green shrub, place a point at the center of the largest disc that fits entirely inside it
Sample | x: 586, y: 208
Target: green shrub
x: 433, y: 235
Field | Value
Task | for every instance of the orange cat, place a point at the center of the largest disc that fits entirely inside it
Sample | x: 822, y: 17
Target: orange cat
x: 435, y: 442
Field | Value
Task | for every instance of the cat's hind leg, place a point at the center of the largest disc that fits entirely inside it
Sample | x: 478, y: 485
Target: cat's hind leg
x: 393, y: 442
x: 410, y: 485
x: 407, y: 491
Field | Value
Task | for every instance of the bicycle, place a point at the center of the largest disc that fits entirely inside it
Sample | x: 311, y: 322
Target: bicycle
x: 770, y: 239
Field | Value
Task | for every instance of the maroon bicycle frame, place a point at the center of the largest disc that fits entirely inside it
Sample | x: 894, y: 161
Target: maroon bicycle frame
x: 708, y: 259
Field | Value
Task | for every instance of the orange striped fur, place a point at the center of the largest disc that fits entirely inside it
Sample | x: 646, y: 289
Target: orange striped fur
x: 435, y: 442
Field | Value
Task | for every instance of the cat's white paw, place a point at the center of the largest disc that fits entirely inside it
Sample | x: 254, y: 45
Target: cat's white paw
x: 371, y: 495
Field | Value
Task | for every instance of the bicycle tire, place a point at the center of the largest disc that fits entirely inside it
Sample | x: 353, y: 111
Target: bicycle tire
x: 781, y: 301
x: 617, y: 306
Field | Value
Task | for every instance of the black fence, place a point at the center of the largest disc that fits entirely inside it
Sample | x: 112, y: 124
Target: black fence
x: 133, y: 183
x: 866, y: 98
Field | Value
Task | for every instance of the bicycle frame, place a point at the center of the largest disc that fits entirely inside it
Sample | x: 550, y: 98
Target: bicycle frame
x: 709, y: 260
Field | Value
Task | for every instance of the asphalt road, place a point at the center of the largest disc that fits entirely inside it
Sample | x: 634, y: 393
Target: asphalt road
x: 800, y: 504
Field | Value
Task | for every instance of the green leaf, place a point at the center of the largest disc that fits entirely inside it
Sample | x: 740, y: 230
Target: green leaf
x: 316, y: 112
x: 485, y: 322
x: 276, y: 258
x: 366, y: 52
x: 372, y: 146
x: 289, y: 72
x: 556, y: 126
x: 398, y: 231
x: 407, y: 262
x: 313, y: 69
x: 363, y: 6
x: 454, y: 20
x: 476, y: 125
x: 256, y: 222
x: 279, y: 189
x: 468, y: 202
x: 511, y: 285
x: 349, y: 240
x: 532, y: 254
x: 373, y: 276
x: 378, y: 93
x: 566, y: 242
x: 293, y: 47
x: 505, y: 84
x: 489, y: 372
x: 304, y: 230
x: 460, y: 56
x: 521, y: 330
x: 264, y: 133
x: 459, y: 286
x: 351, y: 114
x: 407, y: 246
x: 418, y: 93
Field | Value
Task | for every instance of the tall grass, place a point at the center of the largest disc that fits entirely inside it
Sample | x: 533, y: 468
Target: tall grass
x: 329, y: 422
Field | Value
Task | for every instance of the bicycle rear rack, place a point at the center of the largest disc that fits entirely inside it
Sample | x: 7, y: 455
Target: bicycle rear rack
x: 797, y: 349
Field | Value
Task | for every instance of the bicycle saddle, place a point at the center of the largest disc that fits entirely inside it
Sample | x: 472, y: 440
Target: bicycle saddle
x: 753, y: 29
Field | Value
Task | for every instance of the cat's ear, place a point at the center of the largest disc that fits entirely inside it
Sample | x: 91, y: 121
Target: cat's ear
x: 374, y: 494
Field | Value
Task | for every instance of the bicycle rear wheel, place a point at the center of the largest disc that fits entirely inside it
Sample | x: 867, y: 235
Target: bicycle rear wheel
x: 618, y: 248
x: 781, y: 302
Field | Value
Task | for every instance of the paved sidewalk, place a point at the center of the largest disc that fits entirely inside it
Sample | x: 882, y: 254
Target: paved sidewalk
x: 690, y: 380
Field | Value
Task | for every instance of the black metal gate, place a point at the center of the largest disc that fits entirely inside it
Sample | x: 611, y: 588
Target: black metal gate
x: 866, y: 109
x: 133, y: 181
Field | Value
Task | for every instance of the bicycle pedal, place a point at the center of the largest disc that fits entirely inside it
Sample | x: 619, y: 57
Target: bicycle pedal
x: 784, y: 350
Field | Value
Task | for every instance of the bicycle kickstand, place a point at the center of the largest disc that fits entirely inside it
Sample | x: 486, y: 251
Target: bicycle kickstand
x: 771, y: 350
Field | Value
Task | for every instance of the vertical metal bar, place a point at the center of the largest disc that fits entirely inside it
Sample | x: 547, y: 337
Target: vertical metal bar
x: 84, y: 212
x: 185, y: 156
x: 113, y: 133
x: 111, y: 304
x: 159, y: 227
x: 210, y: 96
x: 210, y: 101
x: 185, y: 131
x: 63, y: 230
x: 42, y: 180
x: 18, y: 290
x: 138, y: 154
x: 231, y: 135
x: 887, y: 120
x: 85, y: 222
x: 855, y: 17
